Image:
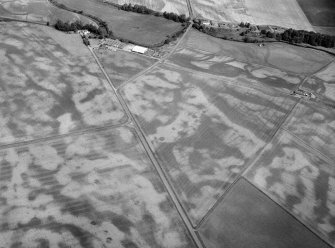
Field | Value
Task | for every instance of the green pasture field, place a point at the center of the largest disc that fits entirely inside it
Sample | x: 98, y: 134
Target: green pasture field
x: 147, y: 30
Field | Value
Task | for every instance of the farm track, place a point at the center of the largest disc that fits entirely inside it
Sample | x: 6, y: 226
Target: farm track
x: 140, y: 133
x: 190, y: 9
x: 313, y: 73
x: 131, y: 122
x: 59, y: 136
x: 307, y: 146
x: 242, y: 173
x: 230, y: 82
x: 165, y: 178
x: 6, y: 19
x: 161, y: 60
x: 287, y: 210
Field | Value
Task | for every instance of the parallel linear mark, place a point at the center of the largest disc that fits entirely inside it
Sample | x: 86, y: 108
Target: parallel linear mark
x: 151, y: 156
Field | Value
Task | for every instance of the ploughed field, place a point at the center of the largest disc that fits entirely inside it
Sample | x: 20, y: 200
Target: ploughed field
x: 147, y: 30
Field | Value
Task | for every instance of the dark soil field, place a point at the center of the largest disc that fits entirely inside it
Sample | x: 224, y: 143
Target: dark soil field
x: 142, y: 29
x: 319, y: 12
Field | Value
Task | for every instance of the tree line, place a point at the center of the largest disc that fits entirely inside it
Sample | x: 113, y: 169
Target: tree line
x: 101, y: 23
x: 78, y: 25
x: 144, y: 10
x: 289, y: 35
x: 307, y: 37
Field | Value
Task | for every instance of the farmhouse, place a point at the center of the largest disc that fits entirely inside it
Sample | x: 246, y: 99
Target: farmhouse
x: 139, y: 49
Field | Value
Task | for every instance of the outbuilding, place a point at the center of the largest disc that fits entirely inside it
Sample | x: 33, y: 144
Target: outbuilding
x: 139, y: 49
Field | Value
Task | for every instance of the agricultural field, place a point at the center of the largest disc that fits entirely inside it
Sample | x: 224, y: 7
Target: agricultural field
x: 247, y: 218
x: 319, y: 12
x: 175, y: 6
x: 122, y: 65
x: 323, y: 82
x: 46, y: 90
x: 299, y: 178
x: 205, y: 149
x: 281, y: 56
x: 37, y: 11
x: 284, y: 13
x: 315, y: 126
x: 204, y: 129
x: 232, y: 69
x: 325, y: 30
x: 93, y: 190
x: 146, y: 30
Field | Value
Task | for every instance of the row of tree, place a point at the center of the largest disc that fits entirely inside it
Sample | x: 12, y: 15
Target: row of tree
x: 78, y: 25
x: 144, y: 10
x: 289, y: 35
x: 101, y: 23
x: 302, y: 36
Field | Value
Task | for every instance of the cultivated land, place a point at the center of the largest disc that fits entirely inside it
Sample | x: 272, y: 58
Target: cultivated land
x: 323, y: 82
x: 234, y: 70
x: 147, y: 30
x: 246, y: 212
x: 175, y: 6
x: 214, y: 110
x: 285, y: 13
x: 204, y: 129
x: 46, y: 91
x: 319, y: 12
x: 315, y: 126
x: 37, y: 11
x: 78, y: 180
x: 121, y: 65
x: 281, y: 56
x: 292, y: 173
x: 204, y: 148
x: 93, y: 190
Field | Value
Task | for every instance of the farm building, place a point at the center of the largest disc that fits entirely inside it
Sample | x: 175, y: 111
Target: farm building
x: 83, y: 32
x: 139, y: 49
x: 206, y: 22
